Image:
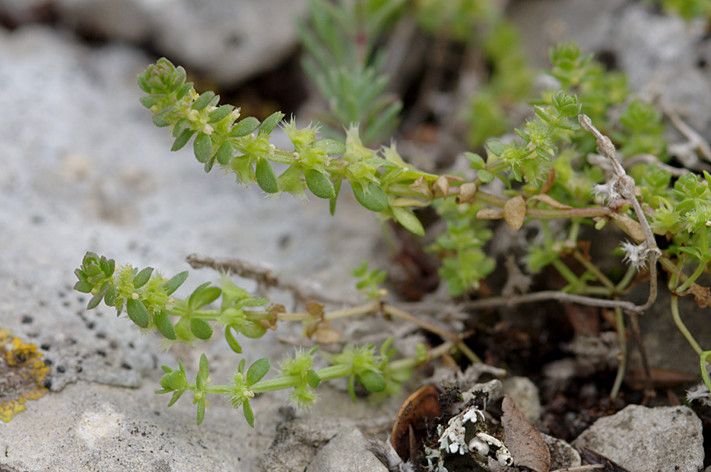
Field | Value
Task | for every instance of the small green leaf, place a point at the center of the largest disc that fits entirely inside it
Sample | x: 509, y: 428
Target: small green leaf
x: 485, y: 176
x: 334, y: 200
x: 252, y: 329
x: 110, y: 297
x: 203, y: 100
x: 182, y: 330
x: 137, y: 312
x: 290, y: 180
x: 182, y: 91
x: 257, y: 371
x: 83, y: 286
x: 182, y: 124
x: 331, y: 146
x: 161, y: 119
x: 182, y: 140
x: 200, y: 328
x: 408, y: 220
x: 200, y: 411
x: 244, y: 127
x: 202, y: 146
x: 270, y: 122
x: 265, y: 176
x: 219, y: 113
x: 371, y: 196
x: 173, y: 379
x: 495, y: 147
x: 95, y: 300
x: 142, y: 277
x: 475, y: 160
x: 203, y: 295
x: 372, y: 381
x: 231, y: 341
x: 165, y: 327
x: 203, y: 373
x: 313, y: 379
x: 319, y: 184
x: 224, y: 153
x: 149, y: 100
x: 176, y: 396
x: 248, y: 413
x: 175, y: 282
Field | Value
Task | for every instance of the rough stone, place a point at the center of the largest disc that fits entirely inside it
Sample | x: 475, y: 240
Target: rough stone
x: 346, y: 452
x: 562, y: 454
x: 85, y: 169
x: 230, y: 40
x: 525, y: 394
x: 641, y: 439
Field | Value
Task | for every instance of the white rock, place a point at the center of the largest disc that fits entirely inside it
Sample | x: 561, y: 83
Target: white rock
x: 85, y: 169
x: 525, y: 394
x: 640, y: 439
x: 347, y: 452
x: 230, y: 40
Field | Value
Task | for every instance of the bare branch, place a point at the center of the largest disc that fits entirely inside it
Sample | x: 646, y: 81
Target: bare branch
x: 625, y: 186
x: 264, y: 277
x: 546, y: 295
x: 653, y: 160
x: 696, y: 141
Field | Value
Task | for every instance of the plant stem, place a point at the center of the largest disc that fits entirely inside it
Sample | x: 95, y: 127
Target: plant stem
x: 404, y: 315
x: 595, y: 270
x: 626, y: 280
x: 682, y: 327
x: 411, y: 362
x: 692, y: 278
x: 545, y: 295
x: 325, y: 374
x: 622, y: 362
x: 567, y: 274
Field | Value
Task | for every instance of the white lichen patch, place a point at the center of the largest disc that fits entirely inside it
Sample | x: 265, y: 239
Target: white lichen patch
x: 467, y: 432
x: 97, y: 425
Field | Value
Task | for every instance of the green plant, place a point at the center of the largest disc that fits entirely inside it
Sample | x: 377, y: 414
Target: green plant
x: 342, y: 61
x: 688, y: 9
x: 380, y: 180
x: 561, y: 173
x: 149, y: 302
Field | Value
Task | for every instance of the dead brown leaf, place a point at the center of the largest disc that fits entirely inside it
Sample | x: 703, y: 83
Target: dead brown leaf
x: 324, y: 334
x: 417, y: 411
x: 467, y: 192
x: 524, y: 442
x: 629, y: 226
x: 702, y: 295
x: 315, y: 309
x: 515, y: 212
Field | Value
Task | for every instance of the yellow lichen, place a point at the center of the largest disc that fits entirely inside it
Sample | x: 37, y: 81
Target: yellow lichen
x: 22, y: 374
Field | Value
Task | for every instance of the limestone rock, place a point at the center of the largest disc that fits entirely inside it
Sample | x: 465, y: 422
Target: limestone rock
x: 642, y: 439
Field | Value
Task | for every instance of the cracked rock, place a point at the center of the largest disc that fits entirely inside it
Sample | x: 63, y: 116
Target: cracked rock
x: 640, y: 439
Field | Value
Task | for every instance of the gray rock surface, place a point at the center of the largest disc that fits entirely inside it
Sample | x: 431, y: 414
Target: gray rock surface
x: 641, y: 439
x: 346, y: 452
x: 525, y: 394
x: 229, y: 40
x: 84, y: 169
x: 562, y: 454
